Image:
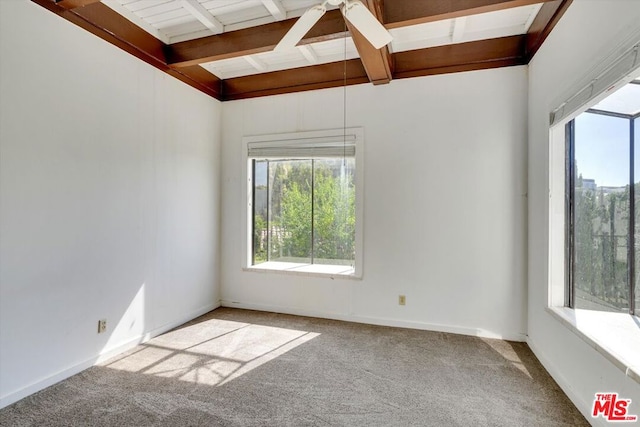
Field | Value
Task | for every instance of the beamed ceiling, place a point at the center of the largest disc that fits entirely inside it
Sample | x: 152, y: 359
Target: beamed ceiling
x: 224, y: 48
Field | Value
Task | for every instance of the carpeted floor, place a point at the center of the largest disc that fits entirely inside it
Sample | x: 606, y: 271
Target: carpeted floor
x: 246, y: 368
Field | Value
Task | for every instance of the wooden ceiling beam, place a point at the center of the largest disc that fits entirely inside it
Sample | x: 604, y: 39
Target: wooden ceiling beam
x: 295, y: 80
x: 395, y: 13
x: 181, y: 59
x: 72, y: 4
x: 400, y: 13
x: 99, y: 18
x: 102, y: 21
x: 199, y: 78
x: 376, y: 62
x: 544, y: 22
x: 250, y: 41
x: 477, y: 55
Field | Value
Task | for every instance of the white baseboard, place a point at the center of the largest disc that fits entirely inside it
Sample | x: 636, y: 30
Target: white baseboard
x: 583, y: 407
x: 17, y: 395
x: 132, y: 342
x: 380, y: 321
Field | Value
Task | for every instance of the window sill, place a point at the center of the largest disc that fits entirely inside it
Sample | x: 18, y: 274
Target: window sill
x: 301, y: 269
x: 614, y: 335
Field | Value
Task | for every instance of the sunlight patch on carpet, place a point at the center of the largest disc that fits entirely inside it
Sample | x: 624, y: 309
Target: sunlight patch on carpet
x: 504, y: 349
x: 212, y: 353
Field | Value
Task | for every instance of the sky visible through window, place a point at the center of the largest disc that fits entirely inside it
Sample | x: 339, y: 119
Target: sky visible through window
x: 606, y: 163
x: 603, y: 224
x: 261, y: 174
x: 602, y: 153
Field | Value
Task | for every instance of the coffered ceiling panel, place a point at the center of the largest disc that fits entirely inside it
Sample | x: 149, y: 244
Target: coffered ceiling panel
x: 225, y: 48
x: 179, y: 20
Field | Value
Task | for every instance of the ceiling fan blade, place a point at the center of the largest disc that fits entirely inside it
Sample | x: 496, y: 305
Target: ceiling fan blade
x: 365, y: 22
x: 300, y: 28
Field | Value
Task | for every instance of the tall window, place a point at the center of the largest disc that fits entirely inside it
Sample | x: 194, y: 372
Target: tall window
x: 603, y: 188
x: 302, y: 203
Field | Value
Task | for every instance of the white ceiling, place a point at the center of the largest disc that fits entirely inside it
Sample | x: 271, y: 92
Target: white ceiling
x: 625, y: 100
x: 173, y: 21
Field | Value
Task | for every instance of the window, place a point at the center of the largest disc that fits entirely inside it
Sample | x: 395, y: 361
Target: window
x: 594, y: 217
x: 302, y: 202
x: 603, y: 213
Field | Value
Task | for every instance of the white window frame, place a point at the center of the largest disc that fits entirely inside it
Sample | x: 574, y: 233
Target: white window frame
x: 354, y: 133
x: 614, y: 335
x: 619, y: 72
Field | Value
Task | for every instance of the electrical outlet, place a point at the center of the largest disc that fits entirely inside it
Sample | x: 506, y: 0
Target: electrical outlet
x: 102, y: 326
x: 402, y: 300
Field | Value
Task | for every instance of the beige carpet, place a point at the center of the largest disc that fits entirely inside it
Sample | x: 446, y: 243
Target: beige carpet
x: 246, y: 368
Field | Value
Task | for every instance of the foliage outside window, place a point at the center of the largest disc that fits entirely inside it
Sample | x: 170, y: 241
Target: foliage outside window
x: 304, y: 211
x: 603, y: 212
x: 304, y: 202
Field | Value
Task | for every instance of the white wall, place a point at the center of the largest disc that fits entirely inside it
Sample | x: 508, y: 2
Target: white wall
x: 109, y: 199
x: 589, y: 32
x: 444, y: 203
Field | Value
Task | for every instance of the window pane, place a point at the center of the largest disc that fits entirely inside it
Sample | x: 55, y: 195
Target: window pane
x: 260, y: 213
x: 636, y: 171
x: 290, y: 211
x: 334, y: 212
x: 601, y: 208
x: 304, y: 211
